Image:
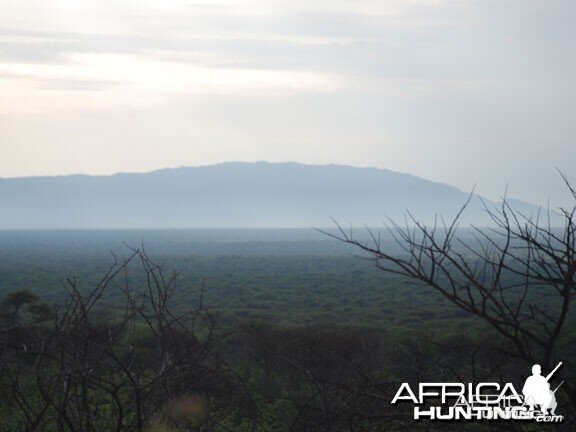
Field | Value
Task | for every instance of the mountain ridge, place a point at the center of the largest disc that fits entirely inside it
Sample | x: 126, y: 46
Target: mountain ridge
x: 231, y: 195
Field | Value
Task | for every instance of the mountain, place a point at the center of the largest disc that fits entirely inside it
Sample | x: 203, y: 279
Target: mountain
x: 234, y: 195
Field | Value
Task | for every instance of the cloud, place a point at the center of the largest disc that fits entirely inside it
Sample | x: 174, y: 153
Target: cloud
x: 128, y: 80
x: 424, y: 86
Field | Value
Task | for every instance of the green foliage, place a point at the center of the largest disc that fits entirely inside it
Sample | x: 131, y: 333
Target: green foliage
x: 41, y: 312
x: 304, y: 334
x: 286, y: 290
x: 13, y: 301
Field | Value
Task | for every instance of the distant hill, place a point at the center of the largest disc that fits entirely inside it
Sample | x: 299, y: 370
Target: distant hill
x: 234, y: 195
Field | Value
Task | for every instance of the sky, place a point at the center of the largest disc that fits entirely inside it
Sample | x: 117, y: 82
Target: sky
x: 473, y: 93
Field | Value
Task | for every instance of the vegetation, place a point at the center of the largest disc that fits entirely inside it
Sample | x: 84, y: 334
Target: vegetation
x: 285, y: 290
x: 275, y: 342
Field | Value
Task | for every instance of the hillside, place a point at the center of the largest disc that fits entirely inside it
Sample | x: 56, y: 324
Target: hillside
x: 238, y: 195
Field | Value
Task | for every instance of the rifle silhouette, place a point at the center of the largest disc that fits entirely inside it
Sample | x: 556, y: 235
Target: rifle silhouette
x: 553, y: 372
x: 557, y: 387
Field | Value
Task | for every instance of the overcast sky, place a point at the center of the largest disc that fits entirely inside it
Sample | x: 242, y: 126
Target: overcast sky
x: 459, y: 91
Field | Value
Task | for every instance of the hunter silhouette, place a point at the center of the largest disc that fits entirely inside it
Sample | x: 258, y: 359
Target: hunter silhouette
x: 537, y: 391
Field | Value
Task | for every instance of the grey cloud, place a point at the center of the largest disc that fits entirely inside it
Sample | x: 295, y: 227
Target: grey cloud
x: 497, y: 78
x: 59, y: 83
x: 472, y: 41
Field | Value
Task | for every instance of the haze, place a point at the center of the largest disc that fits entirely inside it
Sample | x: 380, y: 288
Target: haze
x: 461, y: 92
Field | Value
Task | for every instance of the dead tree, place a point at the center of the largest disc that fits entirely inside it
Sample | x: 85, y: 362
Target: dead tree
x: 126, y: 371
x: 519, y: 276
